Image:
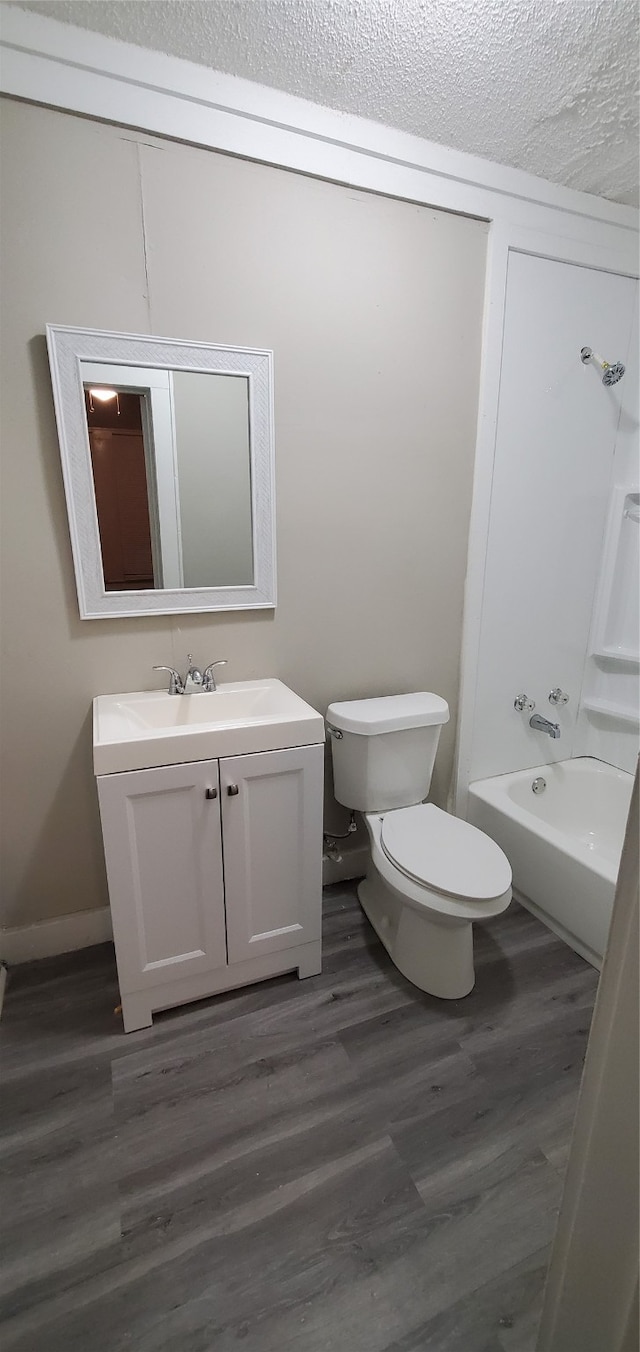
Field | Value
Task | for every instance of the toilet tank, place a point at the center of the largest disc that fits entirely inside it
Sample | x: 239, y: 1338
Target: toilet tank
x: 384, y: 750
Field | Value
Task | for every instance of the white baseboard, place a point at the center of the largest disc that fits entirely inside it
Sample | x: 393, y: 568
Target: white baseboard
x: 352, y: 864
x: 46, y: 939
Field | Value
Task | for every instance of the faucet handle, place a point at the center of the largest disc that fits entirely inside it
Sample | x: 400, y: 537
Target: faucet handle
x: 176, y: 684
x: 558, y: 696
x: 208, y: 678
x: 523, y: 704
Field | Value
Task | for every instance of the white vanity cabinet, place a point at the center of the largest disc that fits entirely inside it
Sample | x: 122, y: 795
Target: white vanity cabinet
x: 215, y: 874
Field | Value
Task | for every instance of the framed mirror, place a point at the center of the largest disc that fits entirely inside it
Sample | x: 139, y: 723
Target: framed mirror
x: 168, y: 466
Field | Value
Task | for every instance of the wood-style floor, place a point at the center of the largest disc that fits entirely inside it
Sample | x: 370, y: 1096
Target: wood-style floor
x: 340, y: 1163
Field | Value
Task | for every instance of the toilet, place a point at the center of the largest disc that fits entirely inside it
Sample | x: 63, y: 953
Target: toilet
x: 430, y: 875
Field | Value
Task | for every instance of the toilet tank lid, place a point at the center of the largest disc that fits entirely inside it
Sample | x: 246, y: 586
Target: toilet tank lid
x: 388, y: 713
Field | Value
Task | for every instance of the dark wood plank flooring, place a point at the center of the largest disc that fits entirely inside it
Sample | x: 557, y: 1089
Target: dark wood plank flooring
x: 335, y: 1164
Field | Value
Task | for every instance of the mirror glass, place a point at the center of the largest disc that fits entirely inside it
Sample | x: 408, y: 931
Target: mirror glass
x: 171, y: 476
x: 167, y: 457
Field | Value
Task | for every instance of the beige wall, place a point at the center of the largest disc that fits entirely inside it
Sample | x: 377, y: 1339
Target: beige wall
x: 373, y: 310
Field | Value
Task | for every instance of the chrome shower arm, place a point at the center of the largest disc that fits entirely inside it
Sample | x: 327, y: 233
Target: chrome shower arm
x: 612, y: 371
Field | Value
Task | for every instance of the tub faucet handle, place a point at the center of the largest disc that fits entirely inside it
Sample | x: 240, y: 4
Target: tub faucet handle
x: 558, y: 696
x: 523, y: 704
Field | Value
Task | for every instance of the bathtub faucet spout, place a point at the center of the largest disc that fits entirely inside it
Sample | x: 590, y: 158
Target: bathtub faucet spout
x: 543, y: 725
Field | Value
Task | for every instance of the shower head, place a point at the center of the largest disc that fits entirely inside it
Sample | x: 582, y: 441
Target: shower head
x: 611, y: 372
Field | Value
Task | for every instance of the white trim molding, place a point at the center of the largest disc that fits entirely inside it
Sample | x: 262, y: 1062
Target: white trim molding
x: 48, y: 938
x: 47, y: 62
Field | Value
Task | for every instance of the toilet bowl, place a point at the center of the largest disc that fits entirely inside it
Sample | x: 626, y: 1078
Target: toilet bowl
x: 417, y: 852
x: 430, y: 875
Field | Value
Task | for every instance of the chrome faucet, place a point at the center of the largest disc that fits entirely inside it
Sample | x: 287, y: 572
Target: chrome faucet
x: 194, y: 674
x: 541, y: 724
x: 179, y: 685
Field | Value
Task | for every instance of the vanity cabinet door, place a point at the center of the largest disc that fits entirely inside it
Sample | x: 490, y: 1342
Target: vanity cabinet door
x: 272, y: 833
x: 163, y: 852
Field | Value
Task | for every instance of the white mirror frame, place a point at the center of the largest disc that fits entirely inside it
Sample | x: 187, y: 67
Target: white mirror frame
x: 68, y: 349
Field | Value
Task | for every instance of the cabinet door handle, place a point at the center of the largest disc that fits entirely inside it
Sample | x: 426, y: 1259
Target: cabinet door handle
x: 211, y: 793
x: 232, y: 790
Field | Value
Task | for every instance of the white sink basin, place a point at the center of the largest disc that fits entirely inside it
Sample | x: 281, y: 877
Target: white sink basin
x: 149, y: 728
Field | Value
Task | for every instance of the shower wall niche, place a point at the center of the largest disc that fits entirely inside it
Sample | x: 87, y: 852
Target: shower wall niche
x: 617, y: 626
x: 559, y: 607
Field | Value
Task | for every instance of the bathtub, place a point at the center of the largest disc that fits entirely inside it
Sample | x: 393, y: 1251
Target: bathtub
x: 564, y: 843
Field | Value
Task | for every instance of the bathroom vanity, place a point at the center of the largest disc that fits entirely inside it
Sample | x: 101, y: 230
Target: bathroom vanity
x: 211, y: 809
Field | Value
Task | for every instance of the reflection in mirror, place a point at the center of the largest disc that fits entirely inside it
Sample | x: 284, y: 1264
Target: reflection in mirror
x: 114, y: 420
x: 170, y: 458
x: 168, y: 464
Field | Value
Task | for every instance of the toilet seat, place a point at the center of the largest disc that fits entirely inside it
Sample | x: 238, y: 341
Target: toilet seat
x: 445, y: 854
x: 428, y: 933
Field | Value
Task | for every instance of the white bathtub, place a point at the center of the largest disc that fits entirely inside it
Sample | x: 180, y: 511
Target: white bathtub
x: 564, y: 844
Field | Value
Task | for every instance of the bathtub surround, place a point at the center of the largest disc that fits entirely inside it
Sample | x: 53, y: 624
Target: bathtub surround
x: 551, y: 638
x: 359, y: 297
x: 563, y: 444
x: 551, y: 661
x: 362, y: 1161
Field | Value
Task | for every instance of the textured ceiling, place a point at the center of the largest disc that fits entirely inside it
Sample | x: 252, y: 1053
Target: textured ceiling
x: 544, y: 85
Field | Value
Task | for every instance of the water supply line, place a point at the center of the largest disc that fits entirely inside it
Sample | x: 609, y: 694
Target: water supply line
x: 331, y: 838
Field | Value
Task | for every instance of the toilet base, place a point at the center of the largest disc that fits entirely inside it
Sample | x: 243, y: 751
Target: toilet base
x: 434, y: 952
